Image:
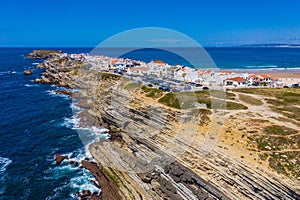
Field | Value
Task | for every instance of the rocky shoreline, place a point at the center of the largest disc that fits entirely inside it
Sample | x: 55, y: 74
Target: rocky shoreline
x: 59, y: 71
x: 136, y: 162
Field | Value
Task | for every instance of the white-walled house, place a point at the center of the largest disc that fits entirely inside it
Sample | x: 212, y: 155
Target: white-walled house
x: 236, y: 81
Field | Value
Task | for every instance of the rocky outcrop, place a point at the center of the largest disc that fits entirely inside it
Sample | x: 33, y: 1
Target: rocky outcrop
x: 43, y: 54
x: 59, y: 70
x: 37, y: 80
x: 27, y: 72
x: 59, y: 158
x: 74, y: 163
x: 65, y: 92
x: 108, y: 187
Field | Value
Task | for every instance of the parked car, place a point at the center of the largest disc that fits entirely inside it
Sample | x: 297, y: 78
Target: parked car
x: 295, y: 85
x: 187, y: 87
x: 205, y: 88
x: 198, y: 85
x: 176, y: 90
x: 150, y: 85
x: 167, y: 89
x: 285, y: 86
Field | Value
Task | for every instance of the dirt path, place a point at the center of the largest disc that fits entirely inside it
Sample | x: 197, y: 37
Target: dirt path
x: 262, y: 111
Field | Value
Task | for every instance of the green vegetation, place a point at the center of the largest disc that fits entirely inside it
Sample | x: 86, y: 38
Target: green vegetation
x: 75, y: 72
x: 170, y: 100
x: 111, y: 174
x: 259, y: 120
x: 85, y: 66
x: 284, y: 163
x: 263, y: 156
x: 278, y: 130
x: 278, y: 138
x: 268, y: 143
x: 283, y: 100
x: 46, y: 51
x: 185, y: 100
x: 152, y: 92
x: 202, y: 114
x: 228, y: 105
x: 220, y: 94
x: 277, y: 166
x: 106, y: 76
x: 250, y: 100
x: 132, y: 86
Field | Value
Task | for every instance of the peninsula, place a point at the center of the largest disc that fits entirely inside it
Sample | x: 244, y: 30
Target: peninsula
x: 182, y: 133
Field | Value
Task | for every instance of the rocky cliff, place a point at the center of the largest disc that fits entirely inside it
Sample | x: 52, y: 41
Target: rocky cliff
x: 157, y: 152
x: 155, y: 155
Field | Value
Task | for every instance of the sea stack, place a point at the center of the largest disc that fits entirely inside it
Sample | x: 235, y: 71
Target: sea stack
x: 27, y: 72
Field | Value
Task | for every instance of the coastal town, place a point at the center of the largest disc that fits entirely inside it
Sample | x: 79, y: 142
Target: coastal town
x: 178, y: 78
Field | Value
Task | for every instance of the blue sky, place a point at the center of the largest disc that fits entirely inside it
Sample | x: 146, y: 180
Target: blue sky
x: 87, y: 23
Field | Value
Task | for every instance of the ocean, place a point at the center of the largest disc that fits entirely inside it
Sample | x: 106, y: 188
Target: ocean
x: 36, y: 123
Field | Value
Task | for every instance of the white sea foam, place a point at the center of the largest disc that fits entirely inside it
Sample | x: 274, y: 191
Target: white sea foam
x: 75, y: 108
x: 83, y: 183
x: 270, y: 69
x: 31, y: 85
x: 54, y: 94
x: 4, y: 162
x: 82, y: 179
x: 7, y: 72
x: 71, y: 122
x: 262, y: 66
x: 35, y: 63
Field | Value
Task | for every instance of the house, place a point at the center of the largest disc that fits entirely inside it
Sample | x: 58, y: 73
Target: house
x: 120, y: 65
x: 236, y: 81
x: 140, y: 71
x: 254, y: 79
x: 266, y: 78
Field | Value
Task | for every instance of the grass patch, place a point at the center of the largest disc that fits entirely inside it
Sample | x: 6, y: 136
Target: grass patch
x: 85, y: 66
x: 132, y: 86
x: 111, y: 174
x: 186, y: 100
x: 263, y: 156
x: 171, y: 100
x: 152, y: 92
x: 105, y: 76
x: 269, y: 143
x: 284, y: 100
x: 235, y: 106
x: 259, y: 120
x: 278, y: 130
x: 46, y: 51
x: 277, y: 166
x: 75, y: 72
x: 250, y: 100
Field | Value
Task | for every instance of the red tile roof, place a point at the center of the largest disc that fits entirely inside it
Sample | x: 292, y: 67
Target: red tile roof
x: 237, y: 79
x: 265, y: 76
